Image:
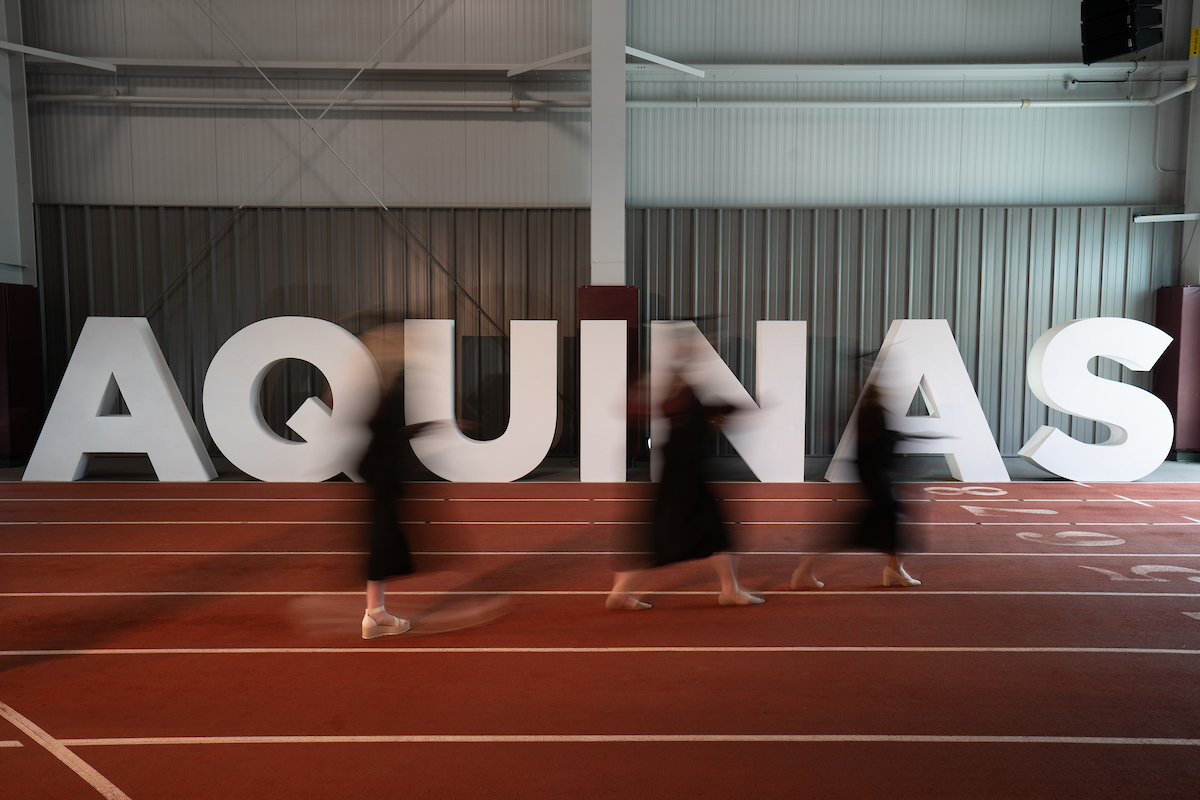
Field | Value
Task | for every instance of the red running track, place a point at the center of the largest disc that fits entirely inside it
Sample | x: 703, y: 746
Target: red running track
x: 201, y: 640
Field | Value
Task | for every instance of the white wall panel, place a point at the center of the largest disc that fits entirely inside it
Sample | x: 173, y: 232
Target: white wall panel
x: 1034, y: 31
x: 81, y: 153
x: 155, y: 29
x: 424, y: 154
x: 358, y: 140
x: 346, y: 30
x: 506, y: 154
x: 488, y: 31
x: 249, y: 146
x: 680, y: 29
x: 433, y: 32
x: 668, y: 156
x: 740, y: 30
x: 934, y: 28
x: 175, y: 151
x: 568, y: 137
x: 519, y: 31
x: 80, y: 28
x: 864, y: 31
x: 920, y: 150
x: 265, y: 31
x: 846, y: 32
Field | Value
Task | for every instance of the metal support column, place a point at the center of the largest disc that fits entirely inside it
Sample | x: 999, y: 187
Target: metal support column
x: 608, y: 143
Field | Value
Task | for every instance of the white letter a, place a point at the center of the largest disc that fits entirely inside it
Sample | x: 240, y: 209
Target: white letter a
x: 118, y: 354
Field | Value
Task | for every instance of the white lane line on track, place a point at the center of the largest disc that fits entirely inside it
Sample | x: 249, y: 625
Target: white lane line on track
x: 764, y: 649
x: 574, y: 553
x: 473, y: 500
x: 486, y: 523
x: 57, y: 749
x: 1116, y: 498
x: 634, y: 738
x: 880, y: 592
x: 1190, y: 519
x: 11, y: 744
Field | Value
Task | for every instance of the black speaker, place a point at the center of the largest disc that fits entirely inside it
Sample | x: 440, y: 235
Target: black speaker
x: 1112, y: 28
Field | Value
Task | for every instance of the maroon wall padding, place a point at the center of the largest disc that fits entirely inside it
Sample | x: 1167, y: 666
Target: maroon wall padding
x: 21, y: 405
x: 1177, y: 373
x: 609, y: 302
x: 613, y: 302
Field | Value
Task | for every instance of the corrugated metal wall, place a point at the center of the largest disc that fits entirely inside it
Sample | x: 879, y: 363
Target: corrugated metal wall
x: 502, y: 31
x: 439, y: 31
x: 871, y: 31
x: 1000, y: 276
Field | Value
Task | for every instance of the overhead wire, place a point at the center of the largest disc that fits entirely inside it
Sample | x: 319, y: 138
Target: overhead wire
x: 312, y: 129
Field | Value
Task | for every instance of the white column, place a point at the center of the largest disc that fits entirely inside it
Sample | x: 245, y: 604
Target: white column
x: 608, y: 143
x: 1190, y: 273
x: 17, y: 250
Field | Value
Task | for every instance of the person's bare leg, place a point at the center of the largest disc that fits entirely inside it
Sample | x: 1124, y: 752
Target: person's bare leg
x: 619, y: 598
x: 732, y: 594
x: 804, y: 577
x: 376, y: 621
x: 894, y: 571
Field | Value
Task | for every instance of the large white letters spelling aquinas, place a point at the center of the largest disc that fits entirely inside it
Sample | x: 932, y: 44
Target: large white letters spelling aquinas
x: 429, y: 397
x: 334, y: 438
x: 920, y: 355
x: 1139, y: 423
x: 118, y: 357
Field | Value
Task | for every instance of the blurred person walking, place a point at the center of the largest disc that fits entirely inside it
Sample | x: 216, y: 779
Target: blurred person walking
x: 685, y: 522
x: 879, y: 528
x: 388, y: 464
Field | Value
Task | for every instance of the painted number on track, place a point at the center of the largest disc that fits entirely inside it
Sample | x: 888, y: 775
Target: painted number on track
x: 958, y: 491
x: 980, y: 511
x: 1145, y: 572
x: 1073, y: 539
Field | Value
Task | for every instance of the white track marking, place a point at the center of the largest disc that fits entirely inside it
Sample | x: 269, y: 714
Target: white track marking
x: 633, y: 738
x: 1147, y: 571
x: 880, y: 592
x: 1190, y: 519
x: 1192, y: 614
x: 784, y: 649
x: 11, y: 744
x: 958, y: 491
x: 981, y: 511
x: 1130, y: 499
x: 1075, y: 539
x: 855, y: 553
x: 100, y: 783
x: 495, y: 523
x: 940, y: 497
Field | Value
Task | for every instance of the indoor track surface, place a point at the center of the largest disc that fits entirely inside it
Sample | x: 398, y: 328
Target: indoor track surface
x: 203, y: 640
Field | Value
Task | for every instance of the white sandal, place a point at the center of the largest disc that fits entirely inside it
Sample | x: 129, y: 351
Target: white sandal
x: 372, y: 629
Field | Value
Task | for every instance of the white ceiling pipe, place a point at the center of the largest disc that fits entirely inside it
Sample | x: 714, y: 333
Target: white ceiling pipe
x: 771, y: 73
x: 517, y: 104
x: 1187, y: 86
x: 514, y: 104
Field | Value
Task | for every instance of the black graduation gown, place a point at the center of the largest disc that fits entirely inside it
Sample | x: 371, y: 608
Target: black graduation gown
x: 686, y: 523
x: 878, y: 529
x: 388, y: 463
